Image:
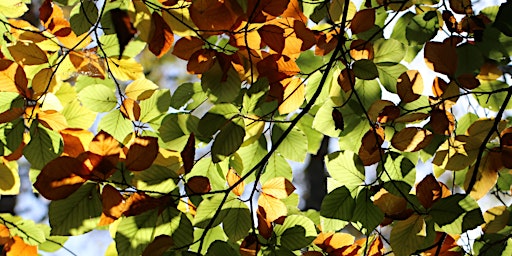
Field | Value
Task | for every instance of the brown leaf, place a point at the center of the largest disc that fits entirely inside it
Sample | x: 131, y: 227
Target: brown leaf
x: 376, y: 111
x: 162, y: 38
x: 140, y: 202
x: 113, y: 205
x: 273, y: 36
x: 277, y: 67
x: 188, y: 153
x: 389, y: 204
x: 123, y: 27
x: 409, y: 86
x: 198, y: 185
x: 362, y: 21
x: 60, y: 178
x: 100, y: 167
x: 201, y: 61
x: 265, y: 227
x: 428, y: 191
x: 441, y: 57
x: 411, y: 139
x: 347, y: 79
x: 214, y: 16
x: 130, y: 109
x: 442, y: 122
x: 186, y: 46
x: 370, y: 151
x: 158, y: 246
x: 361, y: 49
x: 27, y: 53
x: 337, y: 117
x: 142, y: 153
x: 469, y: 81
x: 448, y: 247
x: 250, y: 245
x: 461, y: 6
x: 76, y: 141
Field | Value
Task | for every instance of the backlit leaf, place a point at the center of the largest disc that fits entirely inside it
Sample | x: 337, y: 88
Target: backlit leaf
x: 163, y: 36
x: 411, y: 139
x: 60, y: 178
x: 140, y: 89
x: 274, y: 208
x: 408, y: 235
x: 142, y: 153
x: 232, y: 177
x: 278, y: 187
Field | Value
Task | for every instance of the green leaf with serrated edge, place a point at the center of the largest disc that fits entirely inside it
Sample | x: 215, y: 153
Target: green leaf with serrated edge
x: 495, y: 100
x: 251, y: 155
x: 388, y: 50
x: 206, y: 211
x: 367, y: 213
x: 156, y: 178
x: 85, y: 81
x: 345, y: 167
x: 323, y: 121
x: 294, y: 146
x: 338, y: 204
x: 237, y: 222
x: 176, y: 224
x: 365, y: 69
x: 422, y: 28
x: 98, y: 97
x: 218, y: 89
x: 313, y: 136
x: 308, y: 62
x: 212, y: 235
x: 110, y: 46
x: 408, y: 235
x: 83, y: 17
x: 44, y: 146
x: 221, y: 248
x: 152, y: 109
x: 388, y: 75
x: 296, y: 232
x: 276, y: 166
x: 13, y: 133
x: 213, y: 171
x: 369, y: 91
x: 78, y: 116
x: 134, y: 233
x: 397, y: 167
x: 115, y: 124
x: 77, y: 214
x: 228, y: 140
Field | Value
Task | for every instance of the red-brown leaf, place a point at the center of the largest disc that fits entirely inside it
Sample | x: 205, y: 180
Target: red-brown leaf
x: 188, y: 153
x: 162, y: 38
x: 142, y: 153
x: 60, y: 178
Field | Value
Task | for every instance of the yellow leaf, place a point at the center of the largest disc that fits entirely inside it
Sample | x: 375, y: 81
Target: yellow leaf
x: 44, y: 81
x: 9, y: 178
x: 141, y: 17
x: 13, y: 9
x: 53, y: 120
x: 274, y: 208
x: 486, y: 177
x: 17, y: 247
x: 140, y: 89
x: 495, y: 219
x: 336, y: 10
x: 278, y: 187
x: 253, y: 129
x: 293, y: 96
x: 125, y: 69
x: 7, y: 72
x: 178, y: 18
x: 232, y: 178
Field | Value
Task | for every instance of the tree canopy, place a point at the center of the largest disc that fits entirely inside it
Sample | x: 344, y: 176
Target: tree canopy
x: 114, y: 149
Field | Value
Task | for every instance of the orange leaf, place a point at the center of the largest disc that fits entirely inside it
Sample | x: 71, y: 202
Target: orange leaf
x: 362, y: 21
x: 142, y: 153
x: 113, y: 205
x: 186, y: 46
x: 201, y: 61
x: 100, y: 167
x: 5, y: 234
x: 293, y: 95
x: 274, y: 208
x: 487, y: 175
x: 162, y: 38
x: 60, y: 178
x: 214, y: 15
x: 273, y: 36
x: 158, y: 246
x: 16, y: 246
x: 265, y: 227
x: 377, y: 247
x: 123, y: 27
x: 441, y: 57
x: 188, y: 153
x: 411, y: 139
x: 361, y: 49
x: 8, y: 70
x: 278, y: 187
x: 52, y: 119
x: 104, y: 144
x: 277, y: 67
x: 139, y: 202
x: 130, y: 109
x: 75, y: 141
x: 232, y: 177
x: 293, y: 10
x: 198, y: 185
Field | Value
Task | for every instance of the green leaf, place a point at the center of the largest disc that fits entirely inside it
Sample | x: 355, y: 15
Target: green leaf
x: 308, y: 62
x: 189, y: 94
x: 85, y: 81
x: 408, y: 235
x: 115, y: 124
x: 212, y: 235
x: 470, y: 59
x: 14, y: 134
x: 206, y: 211
x: 229, y: 139
x: 502, y: 21
x: 28, y: 230
x: 388, y: 50
x: 135, y: 233
x: 98, y: 97
x: 237, y: 221
x: 369, y: 91
x: 365, y: 69
x: 276, y: 166
x: 221, y: 248
x: 397, y: 167
x: 176, y: 128
x: 338, y: 204
x: 52, y: 243
x: 110, y: 45
x: 77, y: 214
x: 157, y: 178
x: 6, y: 99
x: 78, y: 116
x: 296, y: 232
x: 219, y: 89
x: 422, y: 28
x: 251, y: 155
x: 345, y: 167
x: 323, y: 120
x: 44, y: 146
x: 313, y: 136
x: 367, y: 213
x: 152, y: 109
x: 388, y: 75
x: 83, y: 16
x: 456, y: 213
x: 176, y: 224
x: 294, y: 146
x: 493, y: 101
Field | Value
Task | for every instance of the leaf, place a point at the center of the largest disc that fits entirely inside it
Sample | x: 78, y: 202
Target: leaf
x: 366, y: 213
x: 98, y: 97
x: 365, y: 69
x: 501, y: 21
x: 44, y: 146
x: 441, y: 57
x: 278, y: 187
x: 13, y: 9
x: 159, y: 246
x: 28, y: 53
x: 362, y: 21
x: 116, y: 124
x: 123, y: 27
x: 77, y: 214
x: 130, y: 109
x: 293, y: 146
x: 188, y: 153
x: 162, y: 38
x: 228, y: 140
x: 296, y: 232
x: 113, y: 205
x: 388, y: 50
x: 219, y: 248
x: 274, y: 208
x: 16, y: 246
x: 461, y: 6
x: 410, y: 86
x: 429, y: 190
x: 293, y: 96
x: 83, y: 16
x: 9, y: 179
x: 125, y: 69
x: 486, y: 177
x: 232, y: 177
x: 135, y: 233
x: 411, y: 139
x: 206, y: 211
x: 142, y: 153
x: 219, y: 87
x: 198, y: 185
x: 496, y: 219
x: 60, y: 178
x: 237, y: 222
x: 338, y: 204
x: 408, y: 235
x: 140, y: 89
x: 345, y: 167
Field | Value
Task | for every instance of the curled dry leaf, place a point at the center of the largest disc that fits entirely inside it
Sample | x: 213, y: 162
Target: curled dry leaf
x: 411, y: 139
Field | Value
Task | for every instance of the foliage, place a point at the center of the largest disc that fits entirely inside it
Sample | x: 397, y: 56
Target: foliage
x: 275, y: 76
